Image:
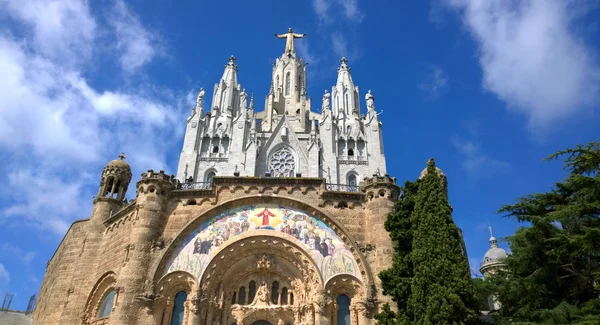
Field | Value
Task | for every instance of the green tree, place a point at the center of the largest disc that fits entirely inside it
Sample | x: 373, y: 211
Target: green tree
x: 552, y: 274
x: 396, y: 280
x: 429, y: 279
x: 441, y: 289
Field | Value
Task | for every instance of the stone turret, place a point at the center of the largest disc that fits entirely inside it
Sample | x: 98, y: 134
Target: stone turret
x: 113, y: 187
x: 382, y: 193
x: 153, y: 191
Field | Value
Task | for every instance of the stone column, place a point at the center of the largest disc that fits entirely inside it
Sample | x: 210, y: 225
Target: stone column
x: 148, y: 224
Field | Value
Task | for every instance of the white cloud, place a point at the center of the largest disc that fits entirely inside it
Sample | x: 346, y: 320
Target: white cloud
x: 475, y: 161
x: 339, y: 45
x: 56, y: 126
x: 137, y: 46
x: 434, y: 81
x: 60, y: 29
x: 351, y: 10
x: 531, y: 58
x: 321, y: 7
x: 305, y: 53
x: 4, y: 275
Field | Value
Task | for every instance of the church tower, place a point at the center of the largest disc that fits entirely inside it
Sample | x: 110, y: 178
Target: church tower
x: 286, y: 138
x: 276, y: 216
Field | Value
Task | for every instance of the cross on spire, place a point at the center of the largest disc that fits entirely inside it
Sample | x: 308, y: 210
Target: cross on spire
x: 122, y: 156
x: 232, y: 58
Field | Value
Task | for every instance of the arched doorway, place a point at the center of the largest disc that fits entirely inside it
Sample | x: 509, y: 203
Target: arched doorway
x: 266, y: 268
x: 262, y: 322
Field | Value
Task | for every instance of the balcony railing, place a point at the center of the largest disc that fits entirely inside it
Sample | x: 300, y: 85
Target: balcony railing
x: 195, y: 186
x: 342, y: 187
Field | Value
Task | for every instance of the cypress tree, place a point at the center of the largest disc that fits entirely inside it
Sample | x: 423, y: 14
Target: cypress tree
x: 396, y: 280
x: 441, y: 289
x: 429, y: 279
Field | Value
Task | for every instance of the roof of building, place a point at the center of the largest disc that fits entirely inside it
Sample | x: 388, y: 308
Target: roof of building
x: 495, y: 253
x: 14, y: 318
x: 120, y: 162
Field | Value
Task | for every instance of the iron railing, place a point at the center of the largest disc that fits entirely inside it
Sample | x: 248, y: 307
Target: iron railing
x: 342, y: 187
x: 195, y: 186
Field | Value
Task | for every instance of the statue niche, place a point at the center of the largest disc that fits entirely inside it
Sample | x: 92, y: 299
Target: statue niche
x: 262, y: 298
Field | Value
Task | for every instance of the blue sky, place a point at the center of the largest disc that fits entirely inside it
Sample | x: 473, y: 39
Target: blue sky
x: 488, y: 88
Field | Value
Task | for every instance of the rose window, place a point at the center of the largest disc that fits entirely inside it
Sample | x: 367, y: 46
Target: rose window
x: 282, y: 163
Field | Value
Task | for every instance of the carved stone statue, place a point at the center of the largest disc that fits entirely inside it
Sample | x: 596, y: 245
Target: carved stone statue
x: 243, y: 98
x: 200, y: 99
x: 289, y: 39
x: 370, y: 100
x: 262, y: 296
x: 326, y: 103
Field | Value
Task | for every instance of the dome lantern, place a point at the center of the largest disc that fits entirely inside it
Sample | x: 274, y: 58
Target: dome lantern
x: 115, y: 179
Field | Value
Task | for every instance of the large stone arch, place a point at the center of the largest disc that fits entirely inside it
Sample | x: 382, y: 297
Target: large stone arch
x: 263, y: 257
x: 364, y: 272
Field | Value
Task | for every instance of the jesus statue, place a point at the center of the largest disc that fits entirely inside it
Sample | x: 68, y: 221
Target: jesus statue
x: 289, y: 39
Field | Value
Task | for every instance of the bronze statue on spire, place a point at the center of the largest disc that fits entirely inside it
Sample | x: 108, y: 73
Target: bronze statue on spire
x: 289, y: 39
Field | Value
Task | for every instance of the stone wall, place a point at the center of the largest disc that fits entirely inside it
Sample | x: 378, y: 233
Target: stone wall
x: 111, y: 243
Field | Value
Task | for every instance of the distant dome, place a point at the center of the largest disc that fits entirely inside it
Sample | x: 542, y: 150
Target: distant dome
x: 494, y: 255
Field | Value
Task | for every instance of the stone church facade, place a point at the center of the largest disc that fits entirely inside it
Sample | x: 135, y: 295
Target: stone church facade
x: 274, y: 217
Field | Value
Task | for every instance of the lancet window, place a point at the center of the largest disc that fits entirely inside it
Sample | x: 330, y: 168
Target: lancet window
x: 178, y: 308
x: 287, y: 83
x: 107, y: 304
x: 343, y: 313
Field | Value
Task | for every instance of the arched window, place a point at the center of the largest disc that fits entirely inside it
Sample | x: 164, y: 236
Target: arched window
x: 352, y: 180
x: 347, y: 102
x: 284, y: 296
x: 275, y: 292
x: 216, y: 149
x: 178, y: 308
x: 106, y: 304
x: 292, y: 298
x: 233, y: 299
x: 351, y: 152
x: 348, y: 130
x: 242, y: 296
x: 209, y: 176
x: 251, y: 291
x: 343, y: 316
x: 287, y: 83
x: 277, y: 83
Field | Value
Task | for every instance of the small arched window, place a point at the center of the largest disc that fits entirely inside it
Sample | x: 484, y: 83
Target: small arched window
x: 287, y: 83
x: 284, y: 296
x: 343, y: 314
x: 216, y: 149
x: 348, y: 130
x: 351, y: 152
x: 233, y: 300
x: 209, y: 176
x: 347, y: 102
x: 275, y: 292
x: 352, y: 181
x: 242, y: 296
x: 251, y: 291
x: 178, y: 308
x: 277, y: 83
x: 106, y: 304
